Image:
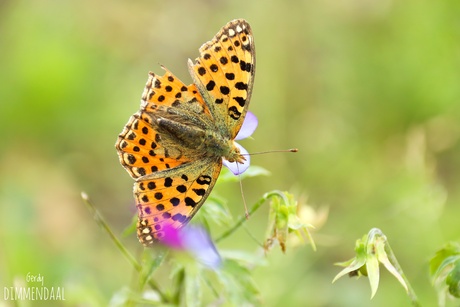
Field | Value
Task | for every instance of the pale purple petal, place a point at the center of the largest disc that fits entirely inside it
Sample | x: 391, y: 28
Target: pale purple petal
x: 235, y: 167
x: 198, y: 242
x: 249, y: 126
x: 194, y: 240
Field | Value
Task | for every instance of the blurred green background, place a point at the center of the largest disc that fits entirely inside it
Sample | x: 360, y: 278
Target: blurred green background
x: 367, y: 90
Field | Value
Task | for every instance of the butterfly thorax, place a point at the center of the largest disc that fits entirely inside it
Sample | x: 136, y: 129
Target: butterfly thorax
x: 199, y: 140
x: 220, y: 146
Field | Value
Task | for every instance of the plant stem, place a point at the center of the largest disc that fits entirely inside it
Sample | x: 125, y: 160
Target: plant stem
x: 103, y: 224
x: 253, y: 209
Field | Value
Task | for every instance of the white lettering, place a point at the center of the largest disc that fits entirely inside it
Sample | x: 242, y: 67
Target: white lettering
x: 35, y: 278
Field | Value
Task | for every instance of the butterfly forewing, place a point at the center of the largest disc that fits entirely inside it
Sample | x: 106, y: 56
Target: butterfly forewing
x: 169, y: 91
x: 224, y: 74
x: 142, y: 147
x: 141, y: 151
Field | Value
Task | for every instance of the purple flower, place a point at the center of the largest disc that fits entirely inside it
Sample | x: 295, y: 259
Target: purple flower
x: 247, y: 129
x: 195, y: 240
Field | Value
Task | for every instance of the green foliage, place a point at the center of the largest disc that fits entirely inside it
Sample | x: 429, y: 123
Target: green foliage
x: 445, y: 271
x: 283, y: 220
x: 232, y: 281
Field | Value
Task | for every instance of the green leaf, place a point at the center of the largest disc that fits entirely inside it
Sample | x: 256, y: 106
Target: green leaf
x: 354, y: 264
x: 150, y: 264
x: 249, y: 259
x: 215, y: 209
x: 438, y: 262
x: 253, y: 171
x: 131, y: 228
x: 453, y: 280
x: 193, y: 286
x: 238, y: 285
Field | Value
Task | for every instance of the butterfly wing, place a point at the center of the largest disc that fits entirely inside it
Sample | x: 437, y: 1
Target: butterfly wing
x: 173, y: 197
x: 173, y: 180
x: 143, y: 148
x: 224, y: 75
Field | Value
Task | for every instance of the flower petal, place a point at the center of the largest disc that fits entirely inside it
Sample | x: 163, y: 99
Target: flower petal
x: 238, y: 168
x: 192, y: 239
x: 173, y: 236
x: 198, y: 242
x: 249, y: 126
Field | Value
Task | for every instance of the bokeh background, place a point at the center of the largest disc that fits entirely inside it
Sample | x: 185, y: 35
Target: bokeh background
x: 367, y: 90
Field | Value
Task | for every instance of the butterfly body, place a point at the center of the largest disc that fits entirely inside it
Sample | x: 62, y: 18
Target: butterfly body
x: 174, y: 145
x: 198, y: 140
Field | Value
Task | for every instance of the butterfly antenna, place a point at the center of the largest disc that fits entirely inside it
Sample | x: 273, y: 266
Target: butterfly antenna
x: 272, y: 151
x: 246, y: 212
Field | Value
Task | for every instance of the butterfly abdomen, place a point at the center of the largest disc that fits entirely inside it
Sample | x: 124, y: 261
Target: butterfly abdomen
x: 185, y: 135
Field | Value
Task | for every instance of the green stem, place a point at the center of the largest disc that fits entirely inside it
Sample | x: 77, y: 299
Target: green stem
x: 180, y: 277
x: 253, y: 209
x: 103, y: 224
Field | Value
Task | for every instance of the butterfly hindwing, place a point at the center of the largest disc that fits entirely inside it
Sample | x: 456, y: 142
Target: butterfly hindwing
x: 173, y: 196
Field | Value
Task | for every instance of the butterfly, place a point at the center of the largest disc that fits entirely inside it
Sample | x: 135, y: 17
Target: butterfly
x: 175, y: 145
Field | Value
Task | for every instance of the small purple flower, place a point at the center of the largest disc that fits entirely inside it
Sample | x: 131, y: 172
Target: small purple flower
x: 195, y: 240
x: 247, y: 129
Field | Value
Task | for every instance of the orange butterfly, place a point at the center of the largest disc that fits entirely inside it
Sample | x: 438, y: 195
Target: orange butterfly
x: 174, y: 147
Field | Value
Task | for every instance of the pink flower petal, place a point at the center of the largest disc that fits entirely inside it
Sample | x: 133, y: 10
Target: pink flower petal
x: 172, y: 236
x: 199, y: 243
x: 249, y: 126
x: 236, y: 167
